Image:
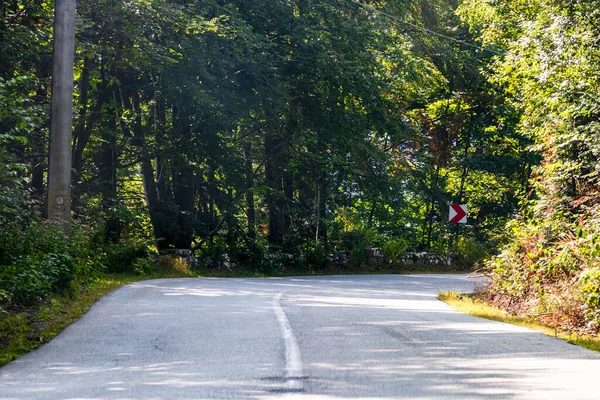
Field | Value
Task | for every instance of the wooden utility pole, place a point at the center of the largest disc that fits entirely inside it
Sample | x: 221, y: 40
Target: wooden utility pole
x: 61, y: 114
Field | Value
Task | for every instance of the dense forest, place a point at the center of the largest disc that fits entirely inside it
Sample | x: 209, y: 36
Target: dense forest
x: 296, y: 135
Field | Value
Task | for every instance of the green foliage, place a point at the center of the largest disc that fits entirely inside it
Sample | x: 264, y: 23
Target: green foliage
x: 214, y: 253
x: 28, y: 282
x: 318, y: 257
x: 273, y: 264
x: 470, y: 251
x: 128, y: 256
x: 166, y: 265
x: 590, y: 293
x: 394, y: 249
x: 358, y: 254
x: 355, y: 238
x: 355, y: 243
x: 549, y: 72
x: 13, y: 330
x: 12, y: 201
x: 38, y: 260
x: 37, y: 239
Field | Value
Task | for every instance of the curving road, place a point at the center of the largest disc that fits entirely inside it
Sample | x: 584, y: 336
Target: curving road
x: 343, y: 337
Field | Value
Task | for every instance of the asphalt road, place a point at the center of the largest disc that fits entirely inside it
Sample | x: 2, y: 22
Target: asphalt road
x: 343, y: 337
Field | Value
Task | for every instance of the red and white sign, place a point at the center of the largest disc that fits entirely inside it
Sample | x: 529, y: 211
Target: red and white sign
x: 458, y: 214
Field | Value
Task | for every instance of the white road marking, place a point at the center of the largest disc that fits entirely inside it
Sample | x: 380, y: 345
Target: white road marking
x: 293, y: 362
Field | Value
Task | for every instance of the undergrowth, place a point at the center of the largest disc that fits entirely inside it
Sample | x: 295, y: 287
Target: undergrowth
x: 550, y: 268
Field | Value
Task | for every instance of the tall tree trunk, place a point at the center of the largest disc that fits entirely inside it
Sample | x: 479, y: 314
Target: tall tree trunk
x: 83, y: 131
x: 108, y: 179
x: 37, y: 178
x: 161, y: 217
x: 249, y: 171
x: 288, y: 179
x: 183, y: 191
x: 183, y: 183
x: 212, y: 192
x: 161, y: 163
x: 231, y: 222
x: 84, y: 86
x: 288, y: 192
x: 320, y: 207
x: 431, y: 207
x: 38, y: 139
x: 372, y: 213
x: 80, y: 134
x: 274, y: 180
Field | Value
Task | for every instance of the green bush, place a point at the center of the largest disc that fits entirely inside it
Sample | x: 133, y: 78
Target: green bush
x: 536, y: 269
x: 166, y: 265
x: 317, y: 257
x: 213, y: 253
x: 23, y: 284
x: 358, y: 254
x: 38, y: 260
x: 12, y: 202
x: 590, y: 293
x: 357, y: 238
x: 355, y: 243
x: 129, y: 255
x: 27, y: 282
x: 394, y: 249
x: 470, y: 252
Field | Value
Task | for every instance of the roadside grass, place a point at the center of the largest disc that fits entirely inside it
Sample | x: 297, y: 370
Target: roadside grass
x: 472, y: 305
x: 24, y: 330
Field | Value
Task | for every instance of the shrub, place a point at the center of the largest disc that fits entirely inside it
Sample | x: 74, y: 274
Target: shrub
x: 355, y: 243
x: 59, y: 270
x: 24, y: 284
x: 357, y: 238
x: 358, y: 254
x: 394, y: 249
x: 317, y: 257
x: 167, y: 264
x: 470, y: 252
x: 590, y: 293
x: 27, y: 282
x: 537, y: 269
x: 38, y: 260
x: 213, y: 254
x: 128, y: 256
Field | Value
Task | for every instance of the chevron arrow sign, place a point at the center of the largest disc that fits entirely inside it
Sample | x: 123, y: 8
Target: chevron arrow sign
x: 458, y: 214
